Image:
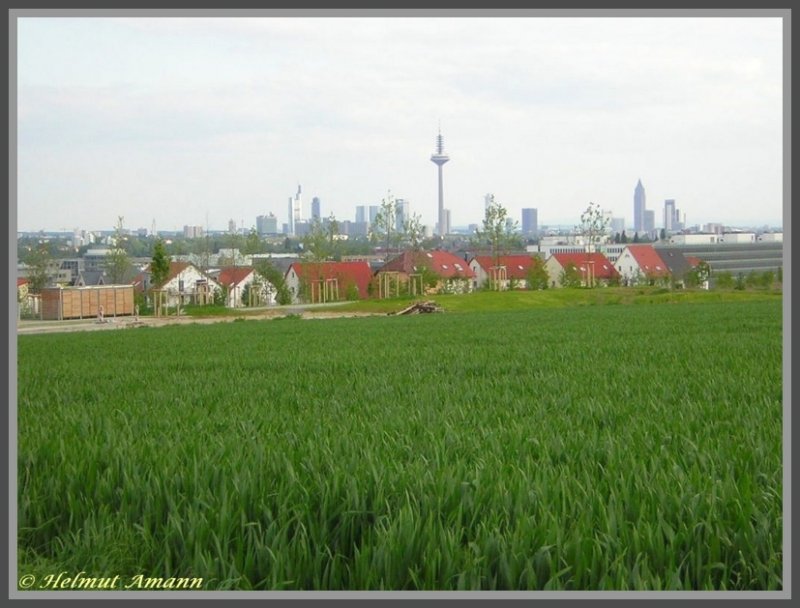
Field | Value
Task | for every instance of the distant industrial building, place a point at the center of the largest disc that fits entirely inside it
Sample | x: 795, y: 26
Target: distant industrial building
x: 734, y: 252
x: 193, y: 232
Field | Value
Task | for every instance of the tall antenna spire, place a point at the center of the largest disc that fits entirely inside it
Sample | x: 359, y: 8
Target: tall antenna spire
x: 440, y: 158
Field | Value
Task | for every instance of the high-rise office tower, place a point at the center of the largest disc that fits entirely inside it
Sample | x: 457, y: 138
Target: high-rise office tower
x: 440, y: 158
x: 649, y: 220
x: 374, y: 210
x: 266, y: 224
x: 530, y: 221
x: 315, y: 208
x: 401, y: 213
x: 361, y: 214
x: 670, y: 215
x: 295, y: 210
x: 639, y: 206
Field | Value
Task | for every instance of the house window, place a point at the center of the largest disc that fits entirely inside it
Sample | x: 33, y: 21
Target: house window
x: 180, y: 284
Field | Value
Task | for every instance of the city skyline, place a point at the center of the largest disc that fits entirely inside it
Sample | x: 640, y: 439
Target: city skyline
x: 186, y: 119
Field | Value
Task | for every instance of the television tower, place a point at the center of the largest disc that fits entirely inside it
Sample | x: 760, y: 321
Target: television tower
x: 440, y: 158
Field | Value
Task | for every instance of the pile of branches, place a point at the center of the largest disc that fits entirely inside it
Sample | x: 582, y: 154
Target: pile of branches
x: 419, y: 307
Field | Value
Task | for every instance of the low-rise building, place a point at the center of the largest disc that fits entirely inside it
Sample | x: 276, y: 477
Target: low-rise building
x: 244, y: 287
x: 313, y: 282
x: 187, y: 284
x: 587, y: 268
x: 504, y: 271
x: 641, y: 263
x: 430, y: 272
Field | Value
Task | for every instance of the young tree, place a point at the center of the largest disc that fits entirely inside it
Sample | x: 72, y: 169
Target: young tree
x: 497, y: 232
x: 276, y: 278
x: 570, y: 276
x: 766, y: 279
x: 159, y: 266
x: 414, y: 232
x: 594, y: 226
x: 319, y: 245
x: 384, y: 228
x: 537, y: 275
x: 39, y: 262
x: 698, y: 275
x: 117, y: 263
x: 253, y: 243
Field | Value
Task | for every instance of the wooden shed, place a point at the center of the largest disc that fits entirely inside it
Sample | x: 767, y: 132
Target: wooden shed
x: 84, y: 302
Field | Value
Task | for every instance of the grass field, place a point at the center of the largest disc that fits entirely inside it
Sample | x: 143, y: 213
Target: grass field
x: 591, y: 447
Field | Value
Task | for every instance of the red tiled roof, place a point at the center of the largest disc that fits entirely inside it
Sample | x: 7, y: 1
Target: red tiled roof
x: 693, y: 261
x: 442, y: 263
x: 233, y: 275
x: 21, y: 282
x: 138, y: 281
x: 648, y: 260
x: 348, y: 273
x: 517, y: 266
x: 175, y: 268
x: 603, y: 268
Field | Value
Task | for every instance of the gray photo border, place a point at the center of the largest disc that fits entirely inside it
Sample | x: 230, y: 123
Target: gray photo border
x: 15, y: 14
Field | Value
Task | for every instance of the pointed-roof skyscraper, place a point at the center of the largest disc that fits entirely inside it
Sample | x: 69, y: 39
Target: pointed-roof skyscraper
x: 639, y: 206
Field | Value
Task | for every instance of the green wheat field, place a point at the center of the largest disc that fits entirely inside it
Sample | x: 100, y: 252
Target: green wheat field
x: 585, y: 448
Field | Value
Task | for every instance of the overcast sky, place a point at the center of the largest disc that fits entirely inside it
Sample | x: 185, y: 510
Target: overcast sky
x: 178, y: 120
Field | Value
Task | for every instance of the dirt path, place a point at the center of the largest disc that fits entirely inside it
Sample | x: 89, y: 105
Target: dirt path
x: 45, y: 327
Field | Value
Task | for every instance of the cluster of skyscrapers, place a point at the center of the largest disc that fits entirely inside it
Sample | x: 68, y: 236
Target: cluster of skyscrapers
x: 301, y: 215
x: 644, y: 219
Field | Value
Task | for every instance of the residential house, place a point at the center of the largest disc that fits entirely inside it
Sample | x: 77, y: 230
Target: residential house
x: 28, y: 302
x: 590, y: 268
x: 328, y: 281
x: 22, y: 289
x: 639, y: 264
x: 242, y: 282
x: 507, y: 270
x: 187, y: 284
x: 429, y: 271
x: 91, y: 278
